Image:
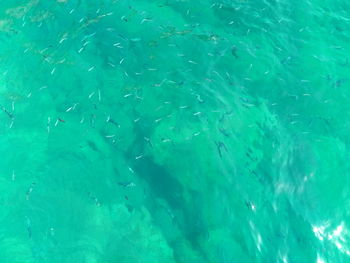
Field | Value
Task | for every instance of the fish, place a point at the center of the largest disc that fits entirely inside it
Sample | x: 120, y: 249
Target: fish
x: 220, y: 145
x: 114, y: 122
x: 126, y: 184
x: 6, y: 111
x: 234, y: 51
x: 29, y: 227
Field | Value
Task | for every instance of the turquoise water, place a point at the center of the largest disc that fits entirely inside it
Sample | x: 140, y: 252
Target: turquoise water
x: 174, y: 131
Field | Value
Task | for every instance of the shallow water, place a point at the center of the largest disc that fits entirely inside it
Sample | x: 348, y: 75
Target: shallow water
x: 174, y: 131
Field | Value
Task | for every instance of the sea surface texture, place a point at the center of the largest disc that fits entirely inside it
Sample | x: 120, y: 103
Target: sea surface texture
x: 174, y: 131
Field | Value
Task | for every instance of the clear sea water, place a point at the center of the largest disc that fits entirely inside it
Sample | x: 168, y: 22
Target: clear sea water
x: 163, y: 131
